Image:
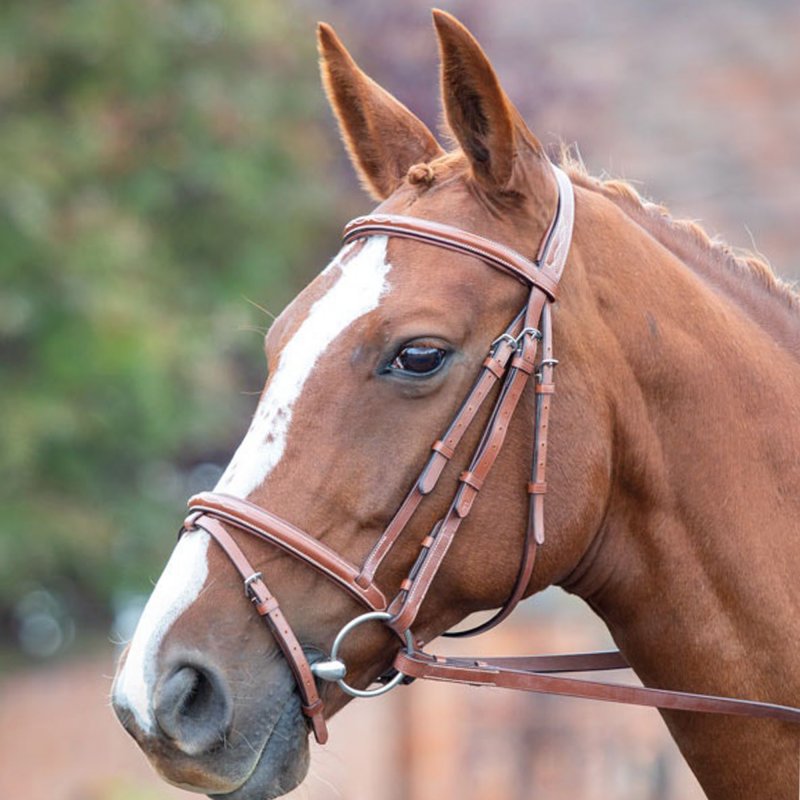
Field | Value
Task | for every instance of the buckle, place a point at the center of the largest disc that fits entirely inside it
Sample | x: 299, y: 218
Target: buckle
x: 248, y: 592
x: 534, y: 333
x: 504, y: 337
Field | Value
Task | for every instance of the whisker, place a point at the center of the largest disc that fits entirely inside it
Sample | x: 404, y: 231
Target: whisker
x: 208, y: 585
x: 336, y: 791
x: 253, y: 329
x: 253, y: 303
x: 245, y: 740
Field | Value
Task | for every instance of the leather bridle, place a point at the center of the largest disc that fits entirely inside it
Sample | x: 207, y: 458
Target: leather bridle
x: 511, y: 362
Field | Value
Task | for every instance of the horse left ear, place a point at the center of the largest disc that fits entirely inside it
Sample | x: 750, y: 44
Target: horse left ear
x: 384, y: 139
x: 491, y: 132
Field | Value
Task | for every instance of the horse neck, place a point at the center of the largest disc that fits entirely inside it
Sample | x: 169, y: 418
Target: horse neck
x: 693, y: 566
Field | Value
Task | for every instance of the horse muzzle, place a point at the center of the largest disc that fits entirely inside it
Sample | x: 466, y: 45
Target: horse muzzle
x: 198, y: 737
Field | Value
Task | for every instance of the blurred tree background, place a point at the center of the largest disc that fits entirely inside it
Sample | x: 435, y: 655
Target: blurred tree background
x: 159, y: 167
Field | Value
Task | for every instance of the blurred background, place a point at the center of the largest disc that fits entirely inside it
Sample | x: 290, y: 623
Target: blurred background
x: 170, y: 176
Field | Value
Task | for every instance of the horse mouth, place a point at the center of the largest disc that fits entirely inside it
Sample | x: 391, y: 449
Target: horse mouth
x: 276, y: 768
x: 282, y: 763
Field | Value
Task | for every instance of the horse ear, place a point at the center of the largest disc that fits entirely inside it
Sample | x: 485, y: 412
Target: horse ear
x: 384, y: 139
x: 489, y: 129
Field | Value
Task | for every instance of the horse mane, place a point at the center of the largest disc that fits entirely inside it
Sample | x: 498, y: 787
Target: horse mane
x: 729, y: 268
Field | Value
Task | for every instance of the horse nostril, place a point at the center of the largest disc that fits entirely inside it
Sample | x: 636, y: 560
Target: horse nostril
x: 193, y: 708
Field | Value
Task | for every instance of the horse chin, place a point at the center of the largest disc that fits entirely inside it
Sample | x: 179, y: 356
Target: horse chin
x: 278, y: 767
x: 283, y: 762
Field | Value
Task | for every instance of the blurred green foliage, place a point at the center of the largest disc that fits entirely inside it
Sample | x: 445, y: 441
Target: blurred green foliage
x: 160, y: 163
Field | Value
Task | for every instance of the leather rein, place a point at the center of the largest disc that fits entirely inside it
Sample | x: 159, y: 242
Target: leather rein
x: 512, y: 363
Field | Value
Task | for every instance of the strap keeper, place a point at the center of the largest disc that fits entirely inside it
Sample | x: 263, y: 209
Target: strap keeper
x: 523, y: 364
x: 313, y: 709
x: 363, y: 580
x: 427, y: 541
x: 440, y: 447
x: 471, y: 479
x: 545, y: 388
x: 190, y: 523
x: 405, y: 584
x: 266, y: 606
x: 537, y: 488
x: 494, y: 366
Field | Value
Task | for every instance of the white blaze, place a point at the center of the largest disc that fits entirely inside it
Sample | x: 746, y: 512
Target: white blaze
x: 176, y: 590
x: 357, y: 291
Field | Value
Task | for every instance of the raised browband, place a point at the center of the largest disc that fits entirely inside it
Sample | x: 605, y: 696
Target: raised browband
x: 455, y: 239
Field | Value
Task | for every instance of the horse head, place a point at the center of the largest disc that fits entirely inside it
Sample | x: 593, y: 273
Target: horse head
x: 367, y: 366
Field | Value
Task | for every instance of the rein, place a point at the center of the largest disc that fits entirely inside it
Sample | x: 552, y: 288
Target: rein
x: 511, y: 362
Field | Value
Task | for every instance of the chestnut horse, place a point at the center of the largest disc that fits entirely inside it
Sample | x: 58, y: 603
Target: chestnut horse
x: 674, y: 454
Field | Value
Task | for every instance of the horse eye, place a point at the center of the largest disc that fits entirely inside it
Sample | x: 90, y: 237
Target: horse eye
x: 418, y: 360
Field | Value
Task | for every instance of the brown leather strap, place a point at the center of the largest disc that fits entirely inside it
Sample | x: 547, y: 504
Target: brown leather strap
x: 408, y: 602
x: 560, y: 662
x: 267, y: 607
x: 542, y: 428
x: 494, y: 672
x: 456, y: 239
x: 554, y: 249
x: 491, y: 372
x: 270, y: 527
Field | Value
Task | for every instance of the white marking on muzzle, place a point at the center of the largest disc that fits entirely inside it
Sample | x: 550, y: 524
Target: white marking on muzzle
x: 357, y: 291
x: 177, y: 588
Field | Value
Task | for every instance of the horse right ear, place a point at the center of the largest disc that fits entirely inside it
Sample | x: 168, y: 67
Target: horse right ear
x: 491, y: 132
x: 383, y: 138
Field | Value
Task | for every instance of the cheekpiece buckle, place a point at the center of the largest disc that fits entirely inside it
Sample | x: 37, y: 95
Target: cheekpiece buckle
x: 504, y: 337
x: 248, y: 582
x: 534, y: 333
